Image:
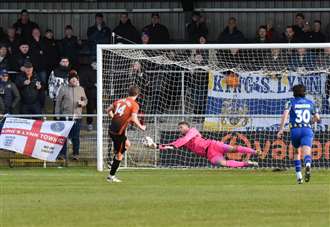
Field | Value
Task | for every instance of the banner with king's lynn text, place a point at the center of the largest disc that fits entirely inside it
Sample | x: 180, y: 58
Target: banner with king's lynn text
x: 35, y: 138
x: 259, y: 99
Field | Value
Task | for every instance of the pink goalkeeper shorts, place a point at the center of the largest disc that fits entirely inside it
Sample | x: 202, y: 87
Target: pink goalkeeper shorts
x: 216, y: 151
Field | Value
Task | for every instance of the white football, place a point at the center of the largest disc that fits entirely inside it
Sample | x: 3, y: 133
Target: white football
x: 147, y: 141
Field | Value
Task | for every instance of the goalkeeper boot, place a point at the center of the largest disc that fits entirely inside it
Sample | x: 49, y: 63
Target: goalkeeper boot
x: 113, y: 179
x: 253, y: 164
x: 300, y: 181
x: 307, y: 173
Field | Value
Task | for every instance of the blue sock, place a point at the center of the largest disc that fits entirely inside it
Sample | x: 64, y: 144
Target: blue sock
x: 297, y: 164
x: 307, y: 160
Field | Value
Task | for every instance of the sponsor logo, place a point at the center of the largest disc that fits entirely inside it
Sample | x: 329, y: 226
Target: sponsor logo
x: 57, y: 126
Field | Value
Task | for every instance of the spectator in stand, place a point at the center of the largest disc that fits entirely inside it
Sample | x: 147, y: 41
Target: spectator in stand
x: 12, y: 40
x: 9, y: 93
x: 157, y: 32
x: 4, y: 58
x: 37, y: 48
x: 71, y: 100
x: 299, y: 27
x: 257, y: 55
x: 31, y: 90
x: 289, y: 36
x: 88, y: 82
x: 145, y: 39
x: 24, y: 26
x: 196, y: 28
x: 99, y: 33
x: 302, y: 60
x: 262, y: 35
x: 51, y: 51
x: 22, y: 56
x: 272, y: 35
x: 58, y: 78
x: 126, y: 30
x: 231, y: 34
x: 69, y: 46
x: 316, y: 36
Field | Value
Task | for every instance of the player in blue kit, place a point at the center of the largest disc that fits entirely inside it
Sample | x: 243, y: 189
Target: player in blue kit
x: 303, y: 114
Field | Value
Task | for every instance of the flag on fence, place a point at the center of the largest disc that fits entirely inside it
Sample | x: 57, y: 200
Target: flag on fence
x: 39, y: 139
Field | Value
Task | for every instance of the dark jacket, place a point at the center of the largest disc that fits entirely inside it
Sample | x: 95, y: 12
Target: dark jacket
x: 235, y: 37
x: 196, y: 30
x: 300, y: 34
x: 316, y: 37
x: 37, y: 49
x: 87, y: 77
x: 29, y: 93
x: 128, y: 31
x: 69, y: 47
x: 95, y: 36
x: 51, y: 54
x: 158, y: 33
x: 25, y: 30
x: 10, y: 96
x: 12, y: 45
x: 258, y: 40
x: 5, y: 63
x: 19, y: 59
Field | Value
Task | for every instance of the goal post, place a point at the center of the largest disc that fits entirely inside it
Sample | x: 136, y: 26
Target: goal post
x: 230, y: 92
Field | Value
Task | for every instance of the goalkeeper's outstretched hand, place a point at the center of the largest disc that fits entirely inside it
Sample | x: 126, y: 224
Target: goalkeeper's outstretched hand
x: 148, y: 142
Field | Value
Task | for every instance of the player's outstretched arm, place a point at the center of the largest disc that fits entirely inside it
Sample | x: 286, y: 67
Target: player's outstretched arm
x: 283, y: 121
x: 137, y: 122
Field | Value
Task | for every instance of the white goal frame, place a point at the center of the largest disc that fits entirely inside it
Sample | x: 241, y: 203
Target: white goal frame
x: 100, y: 110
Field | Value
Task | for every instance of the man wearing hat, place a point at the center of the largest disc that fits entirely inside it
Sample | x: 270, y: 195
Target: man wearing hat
x: 31, y: 89
x: 70, y: 101
x: 9, y: 93
x: 99, y: 33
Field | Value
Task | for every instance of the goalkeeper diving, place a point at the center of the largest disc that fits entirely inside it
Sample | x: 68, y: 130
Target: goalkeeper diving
x: 213, y: 150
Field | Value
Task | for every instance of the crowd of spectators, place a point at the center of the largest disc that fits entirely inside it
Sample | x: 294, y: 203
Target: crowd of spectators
x: 35, y: 65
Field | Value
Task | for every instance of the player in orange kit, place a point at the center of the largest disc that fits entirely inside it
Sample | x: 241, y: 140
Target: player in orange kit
x: 123, y: 112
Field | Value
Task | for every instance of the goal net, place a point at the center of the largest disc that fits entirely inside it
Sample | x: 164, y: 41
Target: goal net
x: 231, y: 93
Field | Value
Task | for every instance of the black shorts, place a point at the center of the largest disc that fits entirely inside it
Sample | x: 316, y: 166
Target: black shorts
x: 119, y: 143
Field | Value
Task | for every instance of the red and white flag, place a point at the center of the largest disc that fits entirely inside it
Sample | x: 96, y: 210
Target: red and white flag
x: 39, y: 139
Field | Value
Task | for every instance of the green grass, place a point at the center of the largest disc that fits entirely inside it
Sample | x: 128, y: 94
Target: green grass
x: 82, y: 197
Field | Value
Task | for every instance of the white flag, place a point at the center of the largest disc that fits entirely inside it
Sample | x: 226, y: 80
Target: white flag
x: 39, y: 139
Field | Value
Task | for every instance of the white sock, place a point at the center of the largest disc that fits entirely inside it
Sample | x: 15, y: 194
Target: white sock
x: 299, y: 175
x: 308, y: 164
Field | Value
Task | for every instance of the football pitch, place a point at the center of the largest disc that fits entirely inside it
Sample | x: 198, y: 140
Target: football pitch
x: 165, y: 197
